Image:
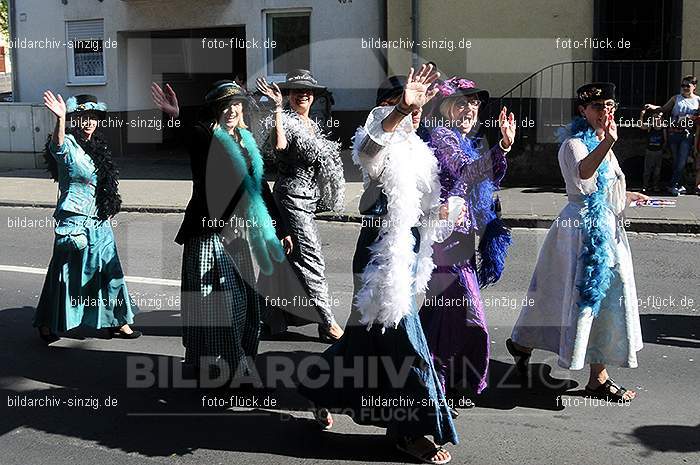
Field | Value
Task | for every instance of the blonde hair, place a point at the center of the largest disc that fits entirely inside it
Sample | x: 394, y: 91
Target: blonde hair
x: 446, y: 107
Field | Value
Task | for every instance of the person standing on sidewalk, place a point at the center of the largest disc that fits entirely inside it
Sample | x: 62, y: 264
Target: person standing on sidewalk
x: 392, y: 264
x: 457, y: 332
x: 310, y: 179
x: 583, y: 294
x: 84, y: 283
x: 681, y: 108
x: 226, y: 219
x: 652, y: 123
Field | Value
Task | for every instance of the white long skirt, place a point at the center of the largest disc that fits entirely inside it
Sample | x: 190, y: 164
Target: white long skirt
x: 553, y: 321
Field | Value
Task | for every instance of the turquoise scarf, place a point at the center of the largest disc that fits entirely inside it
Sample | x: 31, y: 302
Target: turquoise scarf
x: 263, y: 239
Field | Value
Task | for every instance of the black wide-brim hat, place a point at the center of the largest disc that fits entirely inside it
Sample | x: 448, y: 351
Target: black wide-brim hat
x: 300, y: 79
x: 482, y: 94
x: 225, y: 90
x: 390, y: 88
x: 588, y: 93
x: 84, y: 103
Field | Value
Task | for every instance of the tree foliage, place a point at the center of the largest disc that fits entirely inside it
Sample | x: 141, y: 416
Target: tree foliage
x: 3, y: 19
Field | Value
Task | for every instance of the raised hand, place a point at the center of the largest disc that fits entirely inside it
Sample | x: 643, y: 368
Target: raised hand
x: 270, y: 90
x: 611, y: 128
x: 55, y: 104
x: 165, y: 100
x: 508, y: 126
x: 418, y: 89
x: 287, y: 244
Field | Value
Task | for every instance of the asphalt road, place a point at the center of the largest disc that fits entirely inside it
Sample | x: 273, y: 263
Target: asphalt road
x: 81, y: 378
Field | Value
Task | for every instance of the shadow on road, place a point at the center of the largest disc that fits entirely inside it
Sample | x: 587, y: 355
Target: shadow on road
x: 671, y: 330
x: 507, y: 390
x: 157, y: 420
x: 669, y: 438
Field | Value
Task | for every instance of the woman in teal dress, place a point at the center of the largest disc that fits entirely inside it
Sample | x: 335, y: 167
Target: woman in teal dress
x: 84, y: 284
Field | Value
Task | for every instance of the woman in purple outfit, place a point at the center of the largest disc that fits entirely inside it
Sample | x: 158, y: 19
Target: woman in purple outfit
x: 453, y: 314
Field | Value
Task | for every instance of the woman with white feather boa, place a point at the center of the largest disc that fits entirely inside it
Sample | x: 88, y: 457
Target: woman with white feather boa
x: 384, y: 340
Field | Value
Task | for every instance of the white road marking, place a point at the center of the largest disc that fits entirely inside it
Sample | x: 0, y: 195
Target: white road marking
x: 131, y: 279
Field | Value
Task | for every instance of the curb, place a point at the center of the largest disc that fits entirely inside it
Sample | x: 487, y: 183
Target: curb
x: 544, y: 222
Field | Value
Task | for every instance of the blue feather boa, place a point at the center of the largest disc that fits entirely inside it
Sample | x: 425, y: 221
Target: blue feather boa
x: 495, y: 238
x: 263, y: 239
x: 597, y: 238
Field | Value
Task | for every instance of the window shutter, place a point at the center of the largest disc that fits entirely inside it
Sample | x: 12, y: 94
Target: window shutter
x: 86, y: 30
x: 86, y: 38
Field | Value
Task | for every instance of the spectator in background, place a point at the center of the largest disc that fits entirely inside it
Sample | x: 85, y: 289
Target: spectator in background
x: 682, y: 108
x: 652, y: 123
x: 697, y: 154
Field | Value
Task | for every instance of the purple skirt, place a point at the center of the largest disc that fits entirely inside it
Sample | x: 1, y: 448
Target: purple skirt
x: 453, y: 319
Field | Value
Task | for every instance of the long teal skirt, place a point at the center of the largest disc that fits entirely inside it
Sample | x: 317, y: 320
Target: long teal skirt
x: 381, y: 378
x: 84, y: 284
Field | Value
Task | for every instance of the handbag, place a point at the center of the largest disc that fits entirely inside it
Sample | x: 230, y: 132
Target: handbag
x: 71, y: 233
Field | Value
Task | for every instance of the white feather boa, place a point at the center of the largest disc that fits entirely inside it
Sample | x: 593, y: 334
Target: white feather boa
x: 326, y: 152
x: 395, y: 274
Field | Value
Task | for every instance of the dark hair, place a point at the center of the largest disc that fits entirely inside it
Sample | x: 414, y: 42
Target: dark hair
x: 690, y: 78
x: 107, y: 198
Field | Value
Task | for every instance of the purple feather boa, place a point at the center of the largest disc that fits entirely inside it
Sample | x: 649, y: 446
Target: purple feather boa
x: 495, y: 238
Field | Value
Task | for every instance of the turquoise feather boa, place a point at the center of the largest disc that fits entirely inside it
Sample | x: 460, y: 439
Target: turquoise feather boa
x: 262, y: 237
x: 597, y: 239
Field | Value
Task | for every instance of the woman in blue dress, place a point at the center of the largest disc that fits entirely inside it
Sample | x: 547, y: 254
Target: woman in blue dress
x: 84, y: 283
x: 381, y: 372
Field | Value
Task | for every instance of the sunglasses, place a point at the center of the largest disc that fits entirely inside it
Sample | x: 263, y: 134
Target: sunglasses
x: 604, y: 106
x: 687, y: 85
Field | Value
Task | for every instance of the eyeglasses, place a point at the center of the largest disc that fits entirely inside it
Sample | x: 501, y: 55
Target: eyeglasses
x: 604, y: 106
x: 464, y: 102
x: 687, y: 85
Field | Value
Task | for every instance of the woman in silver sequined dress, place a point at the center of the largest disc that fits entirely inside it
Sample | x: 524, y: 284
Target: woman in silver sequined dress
x: 310, y: 179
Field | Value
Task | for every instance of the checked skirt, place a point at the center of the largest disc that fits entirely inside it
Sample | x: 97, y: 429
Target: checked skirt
x: 220, y: 305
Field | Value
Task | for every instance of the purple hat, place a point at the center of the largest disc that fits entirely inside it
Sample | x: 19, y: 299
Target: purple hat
x: 455, y: 87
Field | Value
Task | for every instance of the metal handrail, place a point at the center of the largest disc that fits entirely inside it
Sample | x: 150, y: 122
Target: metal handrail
x: 550, y: 91
x: 573, y: 62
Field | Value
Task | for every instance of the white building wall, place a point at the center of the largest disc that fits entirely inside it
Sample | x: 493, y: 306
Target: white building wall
x: 337, y: 60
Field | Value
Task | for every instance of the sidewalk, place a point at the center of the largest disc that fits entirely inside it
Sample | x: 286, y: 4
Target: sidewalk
x: 163, y: 186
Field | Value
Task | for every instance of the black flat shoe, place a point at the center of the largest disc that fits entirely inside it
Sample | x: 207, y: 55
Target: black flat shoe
x: 520, y: 357
x: 49, y: 338
x: 325, y: 335
x: 118, y: 333
x: 122, y: 335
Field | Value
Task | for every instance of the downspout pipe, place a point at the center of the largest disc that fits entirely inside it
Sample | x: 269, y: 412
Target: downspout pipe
x: 12, y: 21
x: 415, y: 21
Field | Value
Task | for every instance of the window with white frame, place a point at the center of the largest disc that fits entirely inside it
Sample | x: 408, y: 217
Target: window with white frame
x: 291, y: 33
x: 86, y: 56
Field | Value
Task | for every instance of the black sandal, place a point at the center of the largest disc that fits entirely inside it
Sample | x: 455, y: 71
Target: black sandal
x: 405, y: 445
x: 609, y: 390
x: 520, y: 357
